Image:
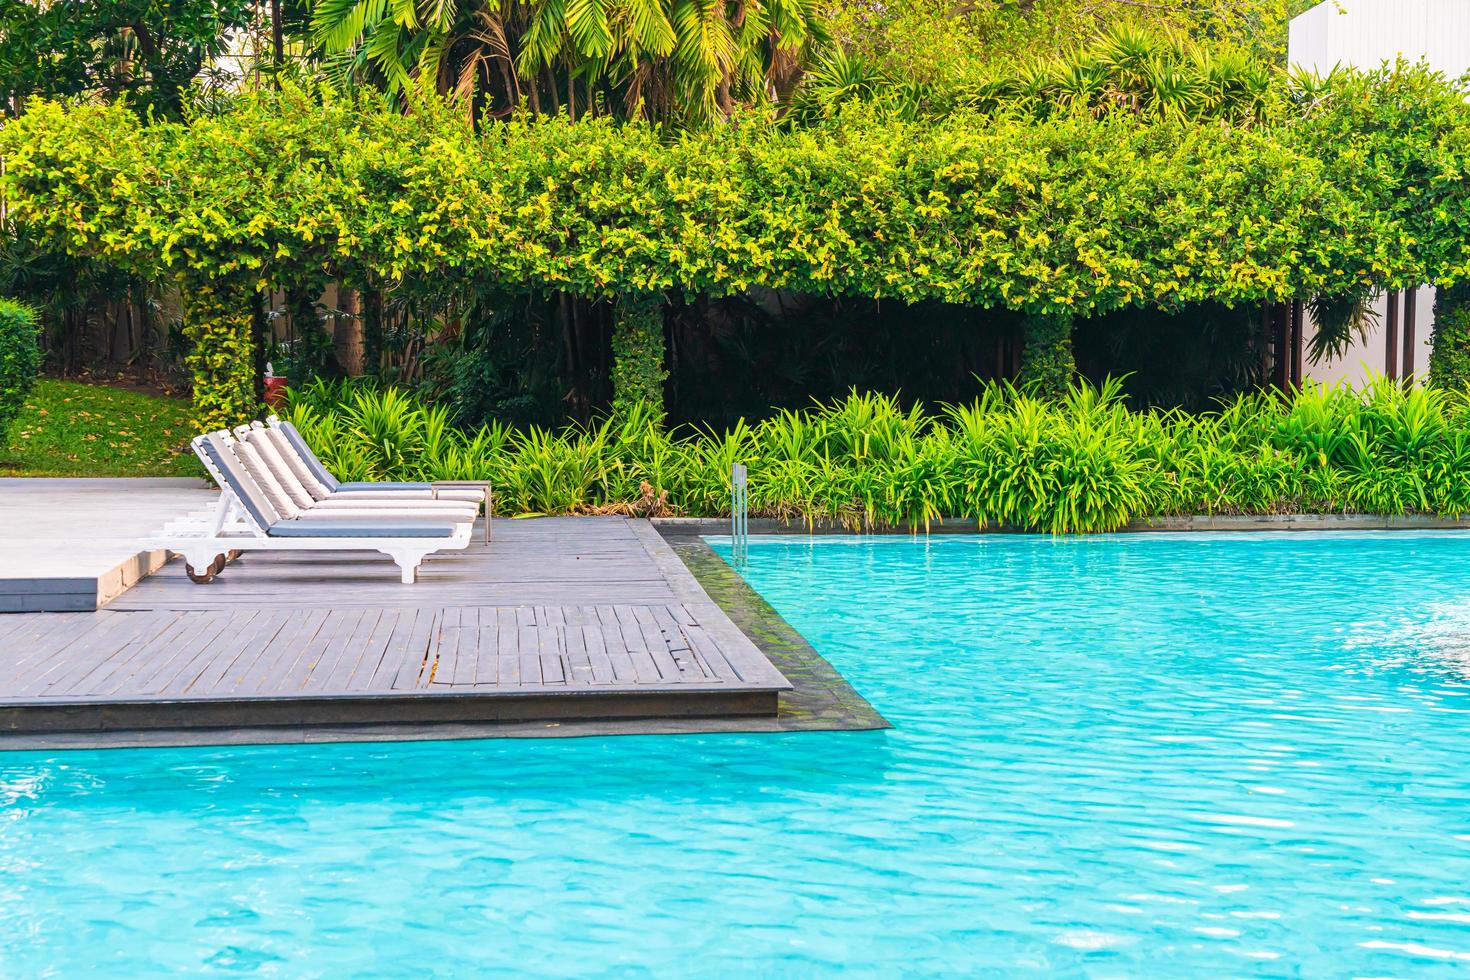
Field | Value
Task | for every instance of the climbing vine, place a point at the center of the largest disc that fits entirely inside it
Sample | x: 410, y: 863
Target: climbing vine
x: 220, y: 355
x: 1047, y: 363
x: 638, y: 352
x: 1449, y: 363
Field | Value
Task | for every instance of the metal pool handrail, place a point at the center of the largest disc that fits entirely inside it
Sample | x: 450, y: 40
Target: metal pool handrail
x: 739, y: 519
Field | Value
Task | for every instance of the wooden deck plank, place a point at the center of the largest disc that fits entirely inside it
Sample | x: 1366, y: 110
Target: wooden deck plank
x: 415, y: 653
x: 345, y: 655
x: 487, y: 652
x: 184, y: 670
x: 508, y: 649
x: 181, y: 634
x: 467, y: 663
x: 645, y: 665
x: 528, y: 642
x: 370, y: 658
x: 103, y: 640
x: 213, y: 631
x: 578, y: 663
x: 268, y: 671
x: 335, y: 629
x: 259, y: 629
x: 549, y: 650
x: 597, y: 656
x: 678, y: 642
x: 670, y: 643
x: 46, y: 635
x: 710, y: 657
x: 264, y: 628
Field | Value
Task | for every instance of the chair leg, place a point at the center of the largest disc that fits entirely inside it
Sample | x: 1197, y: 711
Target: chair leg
x: 408, y: 560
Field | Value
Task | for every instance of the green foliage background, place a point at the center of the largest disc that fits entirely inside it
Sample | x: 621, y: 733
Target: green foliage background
x: 1361, y: 184
x: 1449, y: 361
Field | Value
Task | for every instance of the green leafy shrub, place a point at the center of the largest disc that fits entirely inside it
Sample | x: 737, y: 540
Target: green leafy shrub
x: 1084, y: 462
x: 20, y: 360
x: 1350, y: 185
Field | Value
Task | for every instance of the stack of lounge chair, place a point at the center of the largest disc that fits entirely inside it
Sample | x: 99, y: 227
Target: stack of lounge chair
x: 275, y: 495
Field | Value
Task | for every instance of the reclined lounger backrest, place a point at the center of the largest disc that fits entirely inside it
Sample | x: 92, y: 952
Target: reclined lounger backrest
x: 313, y: 465
x: 256, y: 436
x: 288, y: 454
x: 221, y: 457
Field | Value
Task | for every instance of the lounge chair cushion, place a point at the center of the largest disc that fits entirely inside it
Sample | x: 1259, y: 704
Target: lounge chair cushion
x: 361, y: 529
x: 280, y: 469
x: 396, y: 515
x: 292, y: 458
x: 460, y: 494
x: 303, y: 451
x: 384, y: 486
x: 453, y: 510
x: 238, y: 480
x: 251, y: 459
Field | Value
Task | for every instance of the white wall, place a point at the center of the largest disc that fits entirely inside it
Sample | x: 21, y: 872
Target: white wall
x: 1364, y: 34
x: 1366, y: 358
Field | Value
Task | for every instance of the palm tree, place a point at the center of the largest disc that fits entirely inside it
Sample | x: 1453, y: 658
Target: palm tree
x: 685, y: 62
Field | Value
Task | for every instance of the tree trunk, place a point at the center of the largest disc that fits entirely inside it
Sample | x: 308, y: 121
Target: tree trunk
x: 347, y: 334
x: 278, y: 36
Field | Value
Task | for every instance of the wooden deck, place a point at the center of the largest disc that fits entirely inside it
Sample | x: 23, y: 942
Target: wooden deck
x: 71, y: 545
x: 565, y: 618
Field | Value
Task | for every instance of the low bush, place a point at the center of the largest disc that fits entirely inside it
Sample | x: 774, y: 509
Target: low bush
x: 1081, y: 463
x: 20, y: 360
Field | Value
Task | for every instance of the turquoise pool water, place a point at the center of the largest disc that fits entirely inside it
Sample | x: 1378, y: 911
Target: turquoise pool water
x: 1146, y: 755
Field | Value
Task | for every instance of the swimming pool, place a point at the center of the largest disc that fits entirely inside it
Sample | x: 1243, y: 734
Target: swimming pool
x: 1167, y: 755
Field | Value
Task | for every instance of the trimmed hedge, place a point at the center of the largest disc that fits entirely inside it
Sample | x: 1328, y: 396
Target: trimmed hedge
x: 20, y: 360
x: 1363, y: 183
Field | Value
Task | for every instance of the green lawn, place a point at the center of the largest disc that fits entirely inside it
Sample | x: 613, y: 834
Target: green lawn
x: 73, y: 429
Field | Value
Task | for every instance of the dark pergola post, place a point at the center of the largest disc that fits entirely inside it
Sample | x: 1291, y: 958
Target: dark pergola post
x: 1280, y: 344
x: 1391, y: 339
x: 1410, y: 296
x: 1298, y: 319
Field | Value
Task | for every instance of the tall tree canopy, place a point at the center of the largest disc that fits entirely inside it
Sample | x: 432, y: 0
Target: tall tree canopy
x: 683, y: 61
x: 148, y: 52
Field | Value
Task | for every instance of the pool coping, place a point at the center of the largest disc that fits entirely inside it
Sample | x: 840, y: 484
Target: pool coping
x: 675, y: 528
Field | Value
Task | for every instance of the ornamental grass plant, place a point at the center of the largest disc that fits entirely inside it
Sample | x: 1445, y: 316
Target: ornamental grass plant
x: 1083, y: 463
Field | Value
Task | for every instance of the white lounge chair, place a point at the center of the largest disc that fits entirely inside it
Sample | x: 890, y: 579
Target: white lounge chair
x: 314, y: 478
x: 451, y: 489
x: 269, y: 464
x: 245, y: 520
